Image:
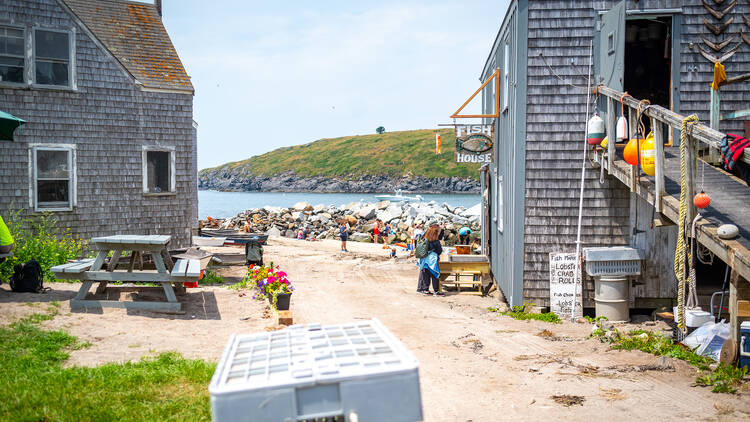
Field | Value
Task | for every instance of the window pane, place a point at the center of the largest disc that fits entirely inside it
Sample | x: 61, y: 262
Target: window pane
x: 158, y: 171
x: 52, y: 191
x: 52, y: 45
x: 11, y: 45
x: 49, y: 73
x: 11, y: 69
x: 52, y: 164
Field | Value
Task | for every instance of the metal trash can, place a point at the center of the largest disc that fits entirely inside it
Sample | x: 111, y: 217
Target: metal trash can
x: 253, y: 252
x: 611, y: 267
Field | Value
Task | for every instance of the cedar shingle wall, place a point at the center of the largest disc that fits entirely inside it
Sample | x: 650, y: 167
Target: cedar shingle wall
x: 562, y: 30
x: 109, y: 120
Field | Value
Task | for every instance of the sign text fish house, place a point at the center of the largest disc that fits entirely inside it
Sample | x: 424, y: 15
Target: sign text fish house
x: 474, y: 143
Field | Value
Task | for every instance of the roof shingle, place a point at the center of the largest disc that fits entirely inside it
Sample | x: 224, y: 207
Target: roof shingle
x: 135, y: 35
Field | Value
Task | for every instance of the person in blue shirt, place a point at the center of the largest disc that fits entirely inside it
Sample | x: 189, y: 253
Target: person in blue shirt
x: 464, y: 235
x: 428, y: 266
x: 344, y: 235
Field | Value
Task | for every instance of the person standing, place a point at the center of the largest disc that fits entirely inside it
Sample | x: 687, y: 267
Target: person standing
x: 428, y: 266
x: 6, y: 239
x: 386, y: 233
x: 343, y: 234
x: 376, y: 231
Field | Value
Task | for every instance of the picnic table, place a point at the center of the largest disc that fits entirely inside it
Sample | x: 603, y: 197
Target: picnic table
x: 473, y: 267
x: 91, y: 271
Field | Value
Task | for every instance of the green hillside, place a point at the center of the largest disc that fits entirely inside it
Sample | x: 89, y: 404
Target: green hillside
x: 392, y: 153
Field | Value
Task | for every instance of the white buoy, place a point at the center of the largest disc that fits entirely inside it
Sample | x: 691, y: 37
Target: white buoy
x: 595, y: 131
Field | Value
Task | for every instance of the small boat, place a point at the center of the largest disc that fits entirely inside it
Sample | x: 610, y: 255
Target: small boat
x: 208, y: 241
x: 234, y: 237
x: 400, y: 197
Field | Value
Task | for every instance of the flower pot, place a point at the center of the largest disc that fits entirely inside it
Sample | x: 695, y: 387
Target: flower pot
x: 282, y: 301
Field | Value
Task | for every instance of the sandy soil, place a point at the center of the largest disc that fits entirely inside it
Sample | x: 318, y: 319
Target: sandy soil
x: 474, y: 365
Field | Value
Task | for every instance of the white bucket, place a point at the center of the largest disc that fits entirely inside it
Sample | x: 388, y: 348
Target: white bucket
x: 611, y: 298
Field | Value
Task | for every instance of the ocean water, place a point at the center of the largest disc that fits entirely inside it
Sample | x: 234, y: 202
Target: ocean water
x: 228, y: 204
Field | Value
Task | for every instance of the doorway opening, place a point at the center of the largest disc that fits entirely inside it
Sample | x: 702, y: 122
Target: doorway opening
x: 648, y: 61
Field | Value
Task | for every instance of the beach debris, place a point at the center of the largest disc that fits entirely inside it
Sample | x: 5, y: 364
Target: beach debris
x: 568, y: 400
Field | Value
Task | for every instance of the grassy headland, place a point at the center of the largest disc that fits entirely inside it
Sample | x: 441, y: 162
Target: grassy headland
x: 392, y: 153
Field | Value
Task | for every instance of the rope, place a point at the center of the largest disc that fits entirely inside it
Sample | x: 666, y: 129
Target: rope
x: 679, y: 255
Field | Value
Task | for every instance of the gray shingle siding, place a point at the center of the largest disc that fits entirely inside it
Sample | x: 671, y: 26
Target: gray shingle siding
x: 109, y: 119
x: 563, y: 30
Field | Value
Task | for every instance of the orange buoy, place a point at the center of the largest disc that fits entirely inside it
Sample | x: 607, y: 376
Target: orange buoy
x: 438, y: 143
x: 702, y: 200
x: 630, y: 153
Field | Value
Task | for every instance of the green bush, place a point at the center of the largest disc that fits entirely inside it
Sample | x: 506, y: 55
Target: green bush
x: 40, y: 238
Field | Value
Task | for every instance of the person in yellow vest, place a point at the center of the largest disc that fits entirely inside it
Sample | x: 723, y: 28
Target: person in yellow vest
x: 6, y: 240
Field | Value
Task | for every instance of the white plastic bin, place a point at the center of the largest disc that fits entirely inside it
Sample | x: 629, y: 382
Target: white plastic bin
x: 341, y: 372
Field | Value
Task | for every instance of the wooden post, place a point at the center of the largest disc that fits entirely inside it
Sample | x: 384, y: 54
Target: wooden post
x: 738, y: 289
x: 632, y: 131
x: 714, y: 119
x: 611, y: 135
x: 690, y: 173
x: 658, y: 163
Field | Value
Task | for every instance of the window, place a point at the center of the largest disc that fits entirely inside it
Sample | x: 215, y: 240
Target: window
x: 506, y: 76
x: 12, y: 55
x: 52, y: 58
x: 158, y: 170
x: 54, y: 187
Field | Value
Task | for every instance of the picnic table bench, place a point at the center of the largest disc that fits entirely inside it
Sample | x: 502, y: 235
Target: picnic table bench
x: 475, y: 267
x: 91, y: 271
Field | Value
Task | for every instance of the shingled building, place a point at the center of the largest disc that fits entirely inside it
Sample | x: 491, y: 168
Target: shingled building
x: 110, y: 144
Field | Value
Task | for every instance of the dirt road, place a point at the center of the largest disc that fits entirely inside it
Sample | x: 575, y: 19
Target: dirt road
x: 474, y: 365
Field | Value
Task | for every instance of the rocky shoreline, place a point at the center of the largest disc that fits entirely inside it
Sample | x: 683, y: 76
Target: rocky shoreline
x: 323, y: 220
x: 228, y: 180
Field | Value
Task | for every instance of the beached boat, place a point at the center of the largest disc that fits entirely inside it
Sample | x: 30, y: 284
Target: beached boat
x: 400, y: 197
x: 234, y: 236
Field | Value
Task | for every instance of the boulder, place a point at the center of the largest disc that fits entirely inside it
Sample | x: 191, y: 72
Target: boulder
x: 368, y: 228
x: 367, y: 212
x: 360, y: 237
x: 403, y: 226
x: 299, y: 216
x: 382, y: 205
x: 273, y: 232
x: 302, y: 206
x: 352, y: 220
x: 403, y: 237
x: 318, y: 209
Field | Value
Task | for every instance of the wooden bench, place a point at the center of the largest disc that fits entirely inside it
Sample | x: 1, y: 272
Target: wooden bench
x: 75, y: 267
x: 187, y: 269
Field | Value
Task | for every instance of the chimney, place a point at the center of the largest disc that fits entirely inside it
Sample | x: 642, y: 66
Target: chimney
x: 157, y: 3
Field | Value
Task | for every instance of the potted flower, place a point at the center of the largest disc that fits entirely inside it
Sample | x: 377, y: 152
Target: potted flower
x: 270, y: 283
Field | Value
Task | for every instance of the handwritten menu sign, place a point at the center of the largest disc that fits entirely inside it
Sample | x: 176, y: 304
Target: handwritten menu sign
x: 564, y: 285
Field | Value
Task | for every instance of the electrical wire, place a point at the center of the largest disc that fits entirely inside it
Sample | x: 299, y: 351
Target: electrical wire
x: 555, y: 74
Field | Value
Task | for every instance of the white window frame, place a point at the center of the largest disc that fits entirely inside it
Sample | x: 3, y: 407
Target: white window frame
x: 72, y: 180
x: 25, y: 57
x: 71, y: 59
x: 172, y: 168
x: 506, y: 76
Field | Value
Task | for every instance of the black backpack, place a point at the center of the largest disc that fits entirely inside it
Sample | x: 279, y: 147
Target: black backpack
x: 27, y: 278
x: 422, y: 249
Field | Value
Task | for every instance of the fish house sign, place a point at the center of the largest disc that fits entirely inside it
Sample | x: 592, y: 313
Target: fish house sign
x: 474, y: 143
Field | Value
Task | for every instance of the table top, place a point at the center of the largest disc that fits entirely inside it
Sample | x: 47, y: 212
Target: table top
x: 143, y: 239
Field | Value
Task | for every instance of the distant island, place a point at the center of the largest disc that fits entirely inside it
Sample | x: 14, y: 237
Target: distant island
x: 376, y: 163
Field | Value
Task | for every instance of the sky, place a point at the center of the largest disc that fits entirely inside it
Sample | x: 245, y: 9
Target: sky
x: 269, y: 74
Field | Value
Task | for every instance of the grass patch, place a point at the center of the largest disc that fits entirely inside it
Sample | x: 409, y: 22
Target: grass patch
x: 519, y: 313
x: 37, y: 388
x: 210, y: 278
x: 723, y: 379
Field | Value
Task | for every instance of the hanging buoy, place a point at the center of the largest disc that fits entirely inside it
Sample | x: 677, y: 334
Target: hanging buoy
x: 622, y: 128
x: 438, y: 143
x: 605, y: 142
x: 630, y: 153
x: 648, y: 154
x: 595, y: 130
x: 702, y: 200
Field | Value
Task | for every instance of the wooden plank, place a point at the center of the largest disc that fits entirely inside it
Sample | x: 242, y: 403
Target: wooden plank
x: 79, y: 266
x: 83, y: 291
x: 658, y: 163
x: 124, y: 276
x: 169, y: 292
x: 128, y: 247
x: 743, y: 308
x: 114, y: 260
x: 285, y: 318
x: 180, y: 268
x: 194, y: 268
x: 101, y: 256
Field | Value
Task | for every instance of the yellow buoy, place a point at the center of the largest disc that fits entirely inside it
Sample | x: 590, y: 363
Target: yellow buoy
x: 605, y: 142
x: 648, y: 152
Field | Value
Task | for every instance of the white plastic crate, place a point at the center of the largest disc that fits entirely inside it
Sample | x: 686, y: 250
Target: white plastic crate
x: 612, y: 261
x: 345, y: 372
